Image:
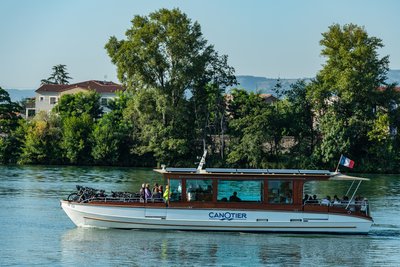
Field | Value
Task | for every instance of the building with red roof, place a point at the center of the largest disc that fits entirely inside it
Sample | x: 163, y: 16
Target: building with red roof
x: 47, y: 95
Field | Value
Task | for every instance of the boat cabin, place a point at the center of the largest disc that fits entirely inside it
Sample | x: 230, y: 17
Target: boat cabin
x: 258, y: 189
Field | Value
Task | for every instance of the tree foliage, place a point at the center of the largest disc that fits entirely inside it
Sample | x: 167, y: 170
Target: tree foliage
x: 175, y: 106
x: 346, y: 94
x: 42, y: 143
x: 111, y: 136
x: 166, y: 55
x: 76, y: 142
x: 59, y: 75
x: 10, y: 135
x: 76, y: 105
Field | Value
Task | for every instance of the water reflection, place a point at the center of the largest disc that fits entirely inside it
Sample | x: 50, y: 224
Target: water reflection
x: 170, y: 248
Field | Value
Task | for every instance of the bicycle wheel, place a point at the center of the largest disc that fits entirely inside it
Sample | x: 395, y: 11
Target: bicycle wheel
x: 74, y: 197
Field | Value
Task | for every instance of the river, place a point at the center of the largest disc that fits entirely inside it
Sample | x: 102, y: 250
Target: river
x: 36, y: 232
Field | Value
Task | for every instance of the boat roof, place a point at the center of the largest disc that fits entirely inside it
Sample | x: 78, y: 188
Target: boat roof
x: 260, y: 172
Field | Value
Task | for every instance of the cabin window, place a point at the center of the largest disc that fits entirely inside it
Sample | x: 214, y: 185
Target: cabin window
x: 175, y: 187
x: 280, y: 192
x: 199, y: 190
x: 238, y: 191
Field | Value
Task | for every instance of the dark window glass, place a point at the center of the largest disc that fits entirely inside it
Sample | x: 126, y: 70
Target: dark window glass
x: 280, y: 192
x: 199, y: 190
x: 175, y: 187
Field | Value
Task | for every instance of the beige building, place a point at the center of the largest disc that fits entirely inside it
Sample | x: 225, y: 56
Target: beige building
x: 48, y: 95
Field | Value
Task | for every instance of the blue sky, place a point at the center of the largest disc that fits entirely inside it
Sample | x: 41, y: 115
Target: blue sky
x: 269, y: 38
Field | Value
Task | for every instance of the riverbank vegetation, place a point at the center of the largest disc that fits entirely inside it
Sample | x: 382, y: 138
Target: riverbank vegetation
x: 175, y: 106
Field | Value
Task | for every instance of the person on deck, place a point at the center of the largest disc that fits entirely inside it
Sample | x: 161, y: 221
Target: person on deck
x: 166, y: 194
x: 147, y: 192
x: 142, y: 189
x: 155, y: 188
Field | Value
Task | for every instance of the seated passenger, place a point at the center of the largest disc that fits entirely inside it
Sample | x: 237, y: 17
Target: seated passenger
x: 234, y: 197
x: 326, y: 201
x: 313, y: 199
x: 336, y: 200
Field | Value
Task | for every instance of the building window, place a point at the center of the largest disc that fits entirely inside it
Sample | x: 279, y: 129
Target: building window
x: 103, y: 101
x: 280, y: 192
x: 199, y: 190
x: 53, y: 100
x: 41, y: 99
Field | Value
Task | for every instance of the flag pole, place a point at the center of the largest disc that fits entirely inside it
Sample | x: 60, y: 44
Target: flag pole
x: 337, y: 167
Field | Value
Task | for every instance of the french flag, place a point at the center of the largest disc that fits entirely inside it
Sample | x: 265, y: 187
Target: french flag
x: 346, y: 162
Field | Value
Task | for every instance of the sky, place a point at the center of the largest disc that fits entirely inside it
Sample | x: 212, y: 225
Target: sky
x: 268, y: 38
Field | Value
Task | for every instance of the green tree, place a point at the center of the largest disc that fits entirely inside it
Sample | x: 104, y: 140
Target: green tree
x: 76, y: 105
x: 42, y: 140
x: 300, y: 116
x: 254, y: 136
x: 76, y: 133
x: 59, y: 76
x: 345, y: 92
x: 10, y: 134
x: 165, y: 54
x: 112, y: 140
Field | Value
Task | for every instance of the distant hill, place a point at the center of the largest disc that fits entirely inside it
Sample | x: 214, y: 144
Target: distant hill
x: 250, y: 83
x: 18, y: 95
x: 262, y: 84
x: 265, y: 85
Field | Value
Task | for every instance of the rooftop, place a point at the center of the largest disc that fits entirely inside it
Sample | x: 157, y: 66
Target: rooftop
x: 98, y: 86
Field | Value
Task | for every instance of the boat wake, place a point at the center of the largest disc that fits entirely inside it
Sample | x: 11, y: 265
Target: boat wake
x: 385, y: 230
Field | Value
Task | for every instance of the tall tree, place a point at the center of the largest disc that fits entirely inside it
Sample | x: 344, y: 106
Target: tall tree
x: 345, y: 92
x: 59, y: 75
x: 165, y: 53
x: 10, y: 142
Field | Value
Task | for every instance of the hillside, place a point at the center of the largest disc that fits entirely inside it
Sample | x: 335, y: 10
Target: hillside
x: 248, y: 82
x: 265, y: 85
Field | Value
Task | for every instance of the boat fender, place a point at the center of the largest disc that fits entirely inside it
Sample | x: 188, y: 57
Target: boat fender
x: 349, y: 212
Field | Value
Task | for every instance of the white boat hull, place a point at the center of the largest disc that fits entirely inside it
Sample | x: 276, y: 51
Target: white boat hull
x: 106, y: 216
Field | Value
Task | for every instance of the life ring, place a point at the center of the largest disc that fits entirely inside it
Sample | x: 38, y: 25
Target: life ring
x: 349, y: 212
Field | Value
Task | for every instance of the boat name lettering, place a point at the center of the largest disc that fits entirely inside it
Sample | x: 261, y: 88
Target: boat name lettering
x: 228, y: 216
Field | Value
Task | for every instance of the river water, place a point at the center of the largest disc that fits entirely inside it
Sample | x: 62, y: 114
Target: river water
x: 36, y: 232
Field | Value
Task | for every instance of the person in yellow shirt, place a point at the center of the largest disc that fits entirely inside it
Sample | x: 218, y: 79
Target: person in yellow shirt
x: 166, y: 194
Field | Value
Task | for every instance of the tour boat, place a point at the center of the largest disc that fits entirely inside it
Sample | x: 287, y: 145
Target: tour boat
x: 245, y: 200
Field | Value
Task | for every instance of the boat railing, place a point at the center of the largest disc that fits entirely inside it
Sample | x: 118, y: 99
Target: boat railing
x: 122, y: 199
x: 354, y: 206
